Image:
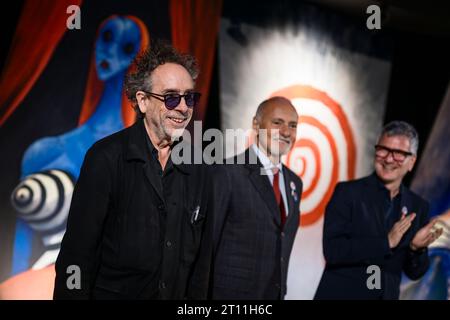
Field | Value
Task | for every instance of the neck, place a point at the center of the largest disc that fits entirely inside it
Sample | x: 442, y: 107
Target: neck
x: 275, y: 159
x: 162, y: 145
x: 393, y: 187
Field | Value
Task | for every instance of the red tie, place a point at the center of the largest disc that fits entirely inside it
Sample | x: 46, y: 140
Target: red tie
x: 278, y: 198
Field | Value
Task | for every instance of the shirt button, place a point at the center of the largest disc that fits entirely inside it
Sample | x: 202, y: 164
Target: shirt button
x: 282, y: 234
x: 162, y: 285
x: 161, y: 207
x: 168, y: 244
x: 282, y: 260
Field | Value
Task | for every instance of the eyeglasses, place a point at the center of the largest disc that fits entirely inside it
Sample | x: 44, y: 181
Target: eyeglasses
x: 398, y: 155
x: 172, y: 100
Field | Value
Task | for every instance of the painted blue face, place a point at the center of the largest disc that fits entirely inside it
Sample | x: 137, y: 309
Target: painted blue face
x: 117, y: 44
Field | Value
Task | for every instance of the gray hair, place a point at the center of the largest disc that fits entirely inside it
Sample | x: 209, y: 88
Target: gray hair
x: 402, y: 128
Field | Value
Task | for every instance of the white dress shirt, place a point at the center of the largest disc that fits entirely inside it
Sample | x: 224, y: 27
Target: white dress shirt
x: 268, y: 167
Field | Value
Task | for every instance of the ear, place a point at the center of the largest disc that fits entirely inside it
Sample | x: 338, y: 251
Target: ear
x: 142, y: 101
x: 255, y: 124
x: 411, y: 163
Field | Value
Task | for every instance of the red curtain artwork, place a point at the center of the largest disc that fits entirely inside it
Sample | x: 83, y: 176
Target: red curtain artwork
x: 41, y: 26
x: 194, y: 23
x: 195, y: 26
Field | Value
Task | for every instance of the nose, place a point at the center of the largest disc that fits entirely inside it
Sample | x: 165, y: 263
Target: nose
x: 284, y: 131
x: 182, y: 106
x: 389, y: 158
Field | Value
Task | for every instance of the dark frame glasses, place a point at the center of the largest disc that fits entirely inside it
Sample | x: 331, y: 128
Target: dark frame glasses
x: 172, y: 100
x: 398, y: 155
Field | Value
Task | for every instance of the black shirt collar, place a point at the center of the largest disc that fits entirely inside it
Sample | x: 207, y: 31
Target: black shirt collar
x: 380, y: 185
x: 140, y: 146
x: 154, y: 153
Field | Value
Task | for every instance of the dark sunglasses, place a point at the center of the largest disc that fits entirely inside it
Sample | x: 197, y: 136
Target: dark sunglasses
x: 398, y: 155
x: 172, y: 100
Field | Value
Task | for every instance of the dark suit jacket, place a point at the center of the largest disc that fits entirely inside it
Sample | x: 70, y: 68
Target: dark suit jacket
x: 251, y: 250
x: 109, y: 232
x: 355, y: 237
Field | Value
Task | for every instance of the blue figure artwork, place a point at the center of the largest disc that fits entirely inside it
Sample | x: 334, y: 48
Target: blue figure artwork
x: 51, y: 165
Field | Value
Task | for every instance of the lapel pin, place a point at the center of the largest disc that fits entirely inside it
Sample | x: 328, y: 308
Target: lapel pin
x: 292, y: 185
x: 405, y: 210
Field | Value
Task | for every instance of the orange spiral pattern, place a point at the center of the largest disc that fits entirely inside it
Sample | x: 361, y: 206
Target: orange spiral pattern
x: 312, y: 215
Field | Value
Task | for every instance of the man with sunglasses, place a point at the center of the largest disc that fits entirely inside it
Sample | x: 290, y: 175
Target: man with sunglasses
x: 376, y: 228
x: 137, y: 217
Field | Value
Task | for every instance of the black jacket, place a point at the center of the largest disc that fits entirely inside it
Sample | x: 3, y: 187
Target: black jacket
x: 111, y: 231
x: 355, y: 237
x: 252, y: 251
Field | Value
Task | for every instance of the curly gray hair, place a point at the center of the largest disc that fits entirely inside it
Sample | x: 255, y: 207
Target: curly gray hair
x: 158, y: 53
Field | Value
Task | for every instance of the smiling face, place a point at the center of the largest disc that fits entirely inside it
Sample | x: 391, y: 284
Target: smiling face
x: 279, y: 119
x: 388, y: 169
x: 166, y: 124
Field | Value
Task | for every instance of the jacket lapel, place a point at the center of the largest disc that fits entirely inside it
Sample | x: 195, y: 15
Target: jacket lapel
x: 374, y: 196
x: 262, y: 184
x: 292, y: 210
x: 154, y: 180
x: 406, y: 202
x: 137, y: 150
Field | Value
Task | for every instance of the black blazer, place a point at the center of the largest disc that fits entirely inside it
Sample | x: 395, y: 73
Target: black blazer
x: 355, y: 237
x: 109, y: 227
x: 251, y: 251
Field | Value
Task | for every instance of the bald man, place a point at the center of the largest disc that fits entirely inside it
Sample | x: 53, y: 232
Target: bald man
x: 257, y: 215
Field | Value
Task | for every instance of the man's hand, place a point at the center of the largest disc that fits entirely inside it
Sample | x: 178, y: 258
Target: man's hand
x: 399, y: 229
x: 425, y: 236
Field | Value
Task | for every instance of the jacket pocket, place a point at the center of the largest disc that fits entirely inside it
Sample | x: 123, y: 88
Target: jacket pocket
x: 193, y: 232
